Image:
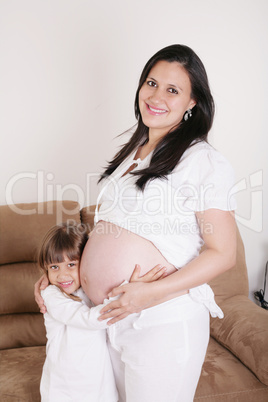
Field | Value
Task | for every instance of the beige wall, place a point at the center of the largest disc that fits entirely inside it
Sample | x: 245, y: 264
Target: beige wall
x: 68, y: 75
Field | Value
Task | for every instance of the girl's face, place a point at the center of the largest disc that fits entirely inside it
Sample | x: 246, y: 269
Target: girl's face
x: 164, y: 97
x: 65, y: 275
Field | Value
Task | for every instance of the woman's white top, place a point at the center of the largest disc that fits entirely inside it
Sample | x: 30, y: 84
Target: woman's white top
x: 77, y: 365
x: 164, y: 213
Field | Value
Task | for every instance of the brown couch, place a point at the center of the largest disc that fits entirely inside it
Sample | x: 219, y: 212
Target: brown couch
x: 236, y: 365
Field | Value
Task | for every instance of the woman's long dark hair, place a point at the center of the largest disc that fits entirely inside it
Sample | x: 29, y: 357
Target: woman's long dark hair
x: 171, y: 147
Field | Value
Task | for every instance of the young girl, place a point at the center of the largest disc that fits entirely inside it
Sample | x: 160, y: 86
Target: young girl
x: 77, y: 366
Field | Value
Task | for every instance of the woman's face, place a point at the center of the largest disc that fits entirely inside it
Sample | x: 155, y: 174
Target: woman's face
x: 164, y: 97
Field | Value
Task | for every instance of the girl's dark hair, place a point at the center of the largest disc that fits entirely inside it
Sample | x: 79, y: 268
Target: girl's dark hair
x: 62, y: 240
x: 170, y: 148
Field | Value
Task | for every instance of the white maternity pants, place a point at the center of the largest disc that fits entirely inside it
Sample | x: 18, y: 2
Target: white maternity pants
x: 157, y: 355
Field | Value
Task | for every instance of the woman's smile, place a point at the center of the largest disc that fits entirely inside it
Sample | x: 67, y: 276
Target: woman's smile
x: 155, y: 111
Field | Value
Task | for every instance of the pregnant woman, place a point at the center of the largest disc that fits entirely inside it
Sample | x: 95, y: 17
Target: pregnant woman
x: 164, y: 195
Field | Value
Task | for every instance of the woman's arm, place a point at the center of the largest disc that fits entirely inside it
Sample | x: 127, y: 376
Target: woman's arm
x: 41, y: 284
x: 218, y: 230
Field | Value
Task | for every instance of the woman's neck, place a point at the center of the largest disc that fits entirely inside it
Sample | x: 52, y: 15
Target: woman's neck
x: 144, y: 150
x: 149, y: 146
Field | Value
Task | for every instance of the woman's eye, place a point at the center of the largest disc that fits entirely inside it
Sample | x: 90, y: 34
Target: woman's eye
x: 173, y: 91
x: 151, y: 83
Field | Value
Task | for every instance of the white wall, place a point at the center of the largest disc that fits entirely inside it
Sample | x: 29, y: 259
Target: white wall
x: 68, y: 75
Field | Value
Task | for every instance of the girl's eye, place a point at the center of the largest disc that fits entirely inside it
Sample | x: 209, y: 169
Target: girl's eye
x: 151, y: 83
x: 72, y: 264
x: 173, y: 91
x: 53, y: 267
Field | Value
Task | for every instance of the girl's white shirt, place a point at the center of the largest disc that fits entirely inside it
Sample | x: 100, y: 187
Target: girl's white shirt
x: 77, y: 363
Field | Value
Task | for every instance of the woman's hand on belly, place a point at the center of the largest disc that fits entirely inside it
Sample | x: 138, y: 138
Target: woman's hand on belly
x: 135, y: 296
x: 138, y: 295
x: 130, y: 302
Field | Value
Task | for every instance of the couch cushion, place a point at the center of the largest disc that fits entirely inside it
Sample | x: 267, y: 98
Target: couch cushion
x: 20, y: 330
x: 20, y: 278
x: 224, y: 378
x: 20, y: 373
x: 244, y: 331
x: 23, y: 226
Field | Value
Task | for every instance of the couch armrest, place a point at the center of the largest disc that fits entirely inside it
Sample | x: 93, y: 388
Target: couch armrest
x: 244, y: 331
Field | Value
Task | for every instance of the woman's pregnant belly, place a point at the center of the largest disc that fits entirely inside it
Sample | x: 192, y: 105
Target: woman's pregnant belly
x: 110, y: 256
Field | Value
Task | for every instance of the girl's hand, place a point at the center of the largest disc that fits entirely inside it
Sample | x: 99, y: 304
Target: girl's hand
x: 41, y: 284
x: 135, y: 297
x: 158, y: 272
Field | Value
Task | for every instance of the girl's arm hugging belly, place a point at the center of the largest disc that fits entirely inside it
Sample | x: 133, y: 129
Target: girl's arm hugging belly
x: 110, y: 256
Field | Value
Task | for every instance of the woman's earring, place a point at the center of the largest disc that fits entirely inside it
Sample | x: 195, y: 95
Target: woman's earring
x: 187, y: 114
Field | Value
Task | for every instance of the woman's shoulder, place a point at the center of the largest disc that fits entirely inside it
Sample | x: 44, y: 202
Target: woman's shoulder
x: 203, y: 164
x: 201, y: 148
x: 203, y: 156
x: 205, y: 177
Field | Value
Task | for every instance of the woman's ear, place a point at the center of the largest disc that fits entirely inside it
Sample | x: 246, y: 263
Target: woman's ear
x: 192, y: 103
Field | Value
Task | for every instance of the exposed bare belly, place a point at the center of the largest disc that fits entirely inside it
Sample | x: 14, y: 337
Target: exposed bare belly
x: 110, y: 256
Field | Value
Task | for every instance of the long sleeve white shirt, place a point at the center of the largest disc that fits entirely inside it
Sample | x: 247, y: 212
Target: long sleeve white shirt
x: 77, y: 366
